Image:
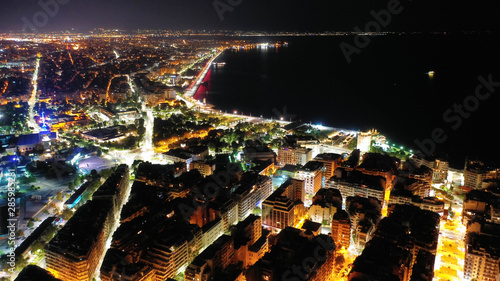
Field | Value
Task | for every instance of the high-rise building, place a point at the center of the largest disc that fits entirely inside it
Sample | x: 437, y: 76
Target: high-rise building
x: 212, y: 260
x: 172, y: 251
x: 250, y: 228
x: 356, y: 183
x: 250, y: 240
x: 286, y: 260
x: 76, y: 252
x: 482, y: 253
x: 325, y: 203
x: 295, y: 189
x: 403, y: 247
x: 475, y: 203
x: 212, y: 231
x: 119, y: 265
x: 377, y: 164
x: 438, y: 166
x: 440, y: 170
x: 226, y: 209
x: 312, y: 175
x: 294, y: 155
x: 250, y: 192
x: 115, y: 189
x: 331, y: 161
x: 341, y: 229
x: 205, y: 168
x: 299, y: 189
x: 278, y: 211
x: 475, y: 173
x: 404, y: 196
x: 482, y: 258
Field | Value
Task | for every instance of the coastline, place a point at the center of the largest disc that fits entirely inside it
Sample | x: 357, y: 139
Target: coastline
x: 191, y: 92
x: 211, y: 108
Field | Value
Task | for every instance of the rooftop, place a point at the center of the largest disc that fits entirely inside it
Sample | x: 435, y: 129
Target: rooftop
x: 35, y: 273
x: 357, y: 177
x: 75, y: 240
x: 327, y: 157
x: 312, y: 166
x: 290, y: 168
x: 310, y: 225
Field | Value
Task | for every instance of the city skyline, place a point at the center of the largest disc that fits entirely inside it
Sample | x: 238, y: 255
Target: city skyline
x: 229, y: 140
x: 244, y: 15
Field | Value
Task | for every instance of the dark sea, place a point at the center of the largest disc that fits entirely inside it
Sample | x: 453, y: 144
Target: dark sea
x: 386, y: 86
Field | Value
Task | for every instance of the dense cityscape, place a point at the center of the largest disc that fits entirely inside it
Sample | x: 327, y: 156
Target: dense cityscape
x: 113, y: 167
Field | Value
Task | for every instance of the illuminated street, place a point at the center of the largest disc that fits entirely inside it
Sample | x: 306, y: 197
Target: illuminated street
x: 450, y: 255
x: 33, y: 98
x: 342, y: 272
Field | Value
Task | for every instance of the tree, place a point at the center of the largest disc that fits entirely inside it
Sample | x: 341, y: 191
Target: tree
x: 141, y: 131
x: 30, y: 223
x: 339, y: 260
x: 49, y: 233
x: 71, y: 186
x: 37, y: 245
x: 78, y: 181
x: 59, y: 196
x: 67, y: 214
x: 105, y: 173
x: 451, y: 213
x: 39, y: 149
x: 21, y: 263
x: 136, y: 164
x: 353, y: 144
x: 27, y: 180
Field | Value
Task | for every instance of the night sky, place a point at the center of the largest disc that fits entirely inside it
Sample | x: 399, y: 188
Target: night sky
x: 268, y: 15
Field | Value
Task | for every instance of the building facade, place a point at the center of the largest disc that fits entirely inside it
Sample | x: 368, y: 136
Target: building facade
x: 294, y: 155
